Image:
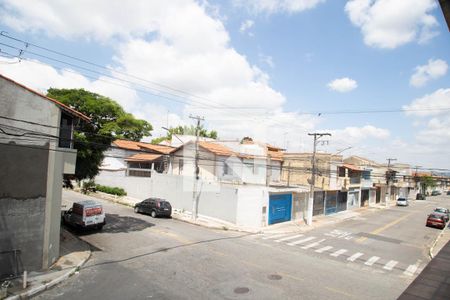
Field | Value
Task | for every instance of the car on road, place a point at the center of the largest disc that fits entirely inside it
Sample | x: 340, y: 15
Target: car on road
x: 84, y: 214
x: 421, y: 197
x: 444, y: 211
x: 436, y: 220
x: 448, y: 193
x: 435, y: 193
x: 156, y: 207
x: 402, y: 202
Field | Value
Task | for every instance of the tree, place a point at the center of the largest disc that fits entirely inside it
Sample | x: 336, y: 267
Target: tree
x: 427, y: 182
x: 109, y: 121
x: 185, y: 130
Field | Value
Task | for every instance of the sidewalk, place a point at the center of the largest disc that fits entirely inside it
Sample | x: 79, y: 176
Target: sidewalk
x: 286, y: 227
x: 440, y: 241
x: 74, y: 253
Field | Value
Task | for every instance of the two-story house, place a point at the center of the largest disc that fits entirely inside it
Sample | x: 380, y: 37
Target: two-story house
x: 36, y: 150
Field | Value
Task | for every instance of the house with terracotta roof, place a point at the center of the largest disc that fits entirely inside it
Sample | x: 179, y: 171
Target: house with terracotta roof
x: 130, y: 158
x: 37, y: 149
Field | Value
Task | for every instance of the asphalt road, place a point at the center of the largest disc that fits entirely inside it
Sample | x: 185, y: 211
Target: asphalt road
x: 138, y: 257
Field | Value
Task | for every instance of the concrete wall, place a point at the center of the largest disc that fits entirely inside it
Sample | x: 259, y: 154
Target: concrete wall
x: 23, y: 187
x: 40, y: 176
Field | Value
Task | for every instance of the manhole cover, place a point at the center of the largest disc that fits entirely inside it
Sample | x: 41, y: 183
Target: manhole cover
x: 241, y: 290
x: 274, y: 277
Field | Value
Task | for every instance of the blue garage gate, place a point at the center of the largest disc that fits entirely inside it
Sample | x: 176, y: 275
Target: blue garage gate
x: 280, y: 208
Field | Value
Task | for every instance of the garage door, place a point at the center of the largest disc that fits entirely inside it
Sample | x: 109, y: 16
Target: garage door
x: 280, y: 207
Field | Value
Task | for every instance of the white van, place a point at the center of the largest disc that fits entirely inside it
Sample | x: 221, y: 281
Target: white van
x: 85, y: 214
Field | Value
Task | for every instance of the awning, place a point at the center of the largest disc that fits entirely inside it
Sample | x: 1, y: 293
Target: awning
x: 351, y: 167
x: 143, y: 157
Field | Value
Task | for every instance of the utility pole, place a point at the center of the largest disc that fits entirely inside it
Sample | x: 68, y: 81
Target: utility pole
x: 317, y: 136
x: 196, y: 169
x: 416, y: 178
x: 388, y: 178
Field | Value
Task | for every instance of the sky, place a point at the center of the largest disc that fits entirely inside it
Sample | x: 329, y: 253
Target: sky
x: 372, y: 73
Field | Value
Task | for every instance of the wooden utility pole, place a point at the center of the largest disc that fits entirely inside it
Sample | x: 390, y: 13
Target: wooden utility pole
x: 196, y: 168
x: 317, y: 136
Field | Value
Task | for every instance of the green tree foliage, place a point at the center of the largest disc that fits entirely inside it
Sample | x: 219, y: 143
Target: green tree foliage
x: 427, y: 182
x: 109, y: 122
x: 185, y: 130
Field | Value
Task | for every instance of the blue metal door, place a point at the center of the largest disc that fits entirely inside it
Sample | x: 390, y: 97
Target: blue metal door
x: 280, y: 206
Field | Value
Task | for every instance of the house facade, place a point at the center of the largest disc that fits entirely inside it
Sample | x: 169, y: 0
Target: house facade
x: 35, y: 131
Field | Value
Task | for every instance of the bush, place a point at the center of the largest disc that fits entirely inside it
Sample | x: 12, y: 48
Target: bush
x: 88, y: 186
x: 111, y: 190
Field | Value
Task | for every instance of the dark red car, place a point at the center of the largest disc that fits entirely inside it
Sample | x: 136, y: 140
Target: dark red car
x: 436, y: 220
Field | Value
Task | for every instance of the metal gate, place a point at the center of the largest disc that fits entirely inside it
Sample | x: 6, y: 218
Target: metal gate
x: 319, y: 205
x: 280, y: 208
x: 342, y: 201
x: 330, y: 202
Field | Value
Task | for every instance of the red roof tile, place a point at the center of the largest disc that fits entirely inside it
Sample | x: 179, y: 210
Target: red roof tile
x: 132, y: 145
x: 143, y: 157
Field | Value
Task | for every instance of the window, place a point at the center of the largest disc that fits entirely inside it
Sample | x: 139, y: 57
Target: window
x: 226, y: 169
x: 65, y: 131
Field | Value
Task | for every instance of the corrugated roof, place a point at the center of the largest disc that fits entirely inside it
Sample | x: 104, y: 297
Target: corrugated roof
x: 217, y: 149
x: 61, y: 105
x: 143, y: 157
x: 131, y: 145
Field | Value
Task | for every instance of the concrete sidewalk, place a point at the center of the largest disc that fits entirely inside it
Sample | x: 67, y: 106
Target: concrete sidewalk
x: 285, y: 227
x: 74, y: 253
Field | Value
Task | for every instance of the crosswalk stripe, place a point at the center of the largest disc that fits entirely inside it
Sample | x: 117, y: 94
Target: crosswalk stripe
x: 274, y: 236
x: 301, y: 241
x: 355, y: 256
x: 411, y: 270
x: 390, y: 265
x: 323, y: 249
x: 313, y: 244
x: 289, y: 238
x: 339, y: 252
x: 371, y: 260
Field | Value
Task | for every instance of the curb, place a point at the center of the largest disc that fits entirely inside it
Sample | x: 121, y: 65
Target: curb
x: 46, y: 286
x: 430, y: 251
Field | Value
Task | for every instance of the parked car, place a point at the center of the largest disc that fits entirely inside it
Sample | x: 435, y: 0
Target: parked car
x: 444, y: 211
x: 421, y: 197
x: 402, y: 202
x: 154, y: 206
x: 448, y: 193
x: 435, y: 193
x: 436, y: 220
x: 84, y: 214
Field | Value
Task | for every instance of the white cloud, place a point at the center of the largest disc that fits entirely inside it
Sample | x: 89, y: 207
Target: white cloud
x: 343, y: 85
x: 246, y: 26
x: 352, y: 135
x: 434, y: 112
x: 433, y: 70
x: 392, y: 23
x: 435, y: 104
x: 175, y: 44
x: 277, y: 6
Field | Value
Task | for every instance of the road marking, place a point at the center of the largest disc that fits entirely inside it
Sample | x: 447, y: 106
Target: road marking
x: 411, y: 270
x: 289, y: 238
x: 390, y: 265
x: 301, y: 241
x: 371, y: 260
x: 313, y: 244
x: 339, y: 252
x: 274, y: 236
x: 355, y: 256
x: 384, y: 227
x: 324, y: 249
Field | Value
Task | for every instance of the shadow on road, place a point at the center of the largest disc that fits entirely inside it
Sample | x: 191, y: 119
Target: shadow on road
x: 114, y: 224
x: 166, y: 250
